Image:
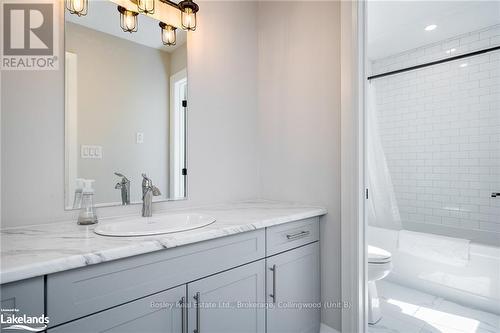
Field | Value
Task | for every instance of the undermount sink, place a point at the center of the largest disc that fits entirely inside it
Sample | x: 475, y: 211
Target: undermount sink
x: 161, y: 224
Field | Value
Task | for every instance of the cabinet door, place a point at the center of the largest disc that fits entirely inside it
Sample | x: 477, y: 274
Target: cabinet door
x: 22, y: 298
x: 293, y: 281
x: 158, y: 313
x: 229, y: 302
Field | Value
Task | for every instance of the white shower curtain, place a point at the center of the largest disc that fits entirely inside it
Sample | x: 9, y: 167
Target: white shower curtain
x: 382, y: 208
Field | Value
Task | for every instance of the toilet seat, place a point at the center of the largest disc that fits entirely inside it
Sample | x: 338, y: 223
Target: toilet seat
x: 377, y: 255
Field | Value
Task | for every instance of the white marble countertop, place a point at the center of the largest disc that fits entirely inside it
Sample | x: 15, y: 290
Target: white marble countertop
x: 49, y: 248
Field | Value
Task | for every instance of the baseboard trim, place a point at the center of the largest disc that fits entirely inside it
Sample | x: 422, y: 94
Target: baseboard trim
x: 327, y: 329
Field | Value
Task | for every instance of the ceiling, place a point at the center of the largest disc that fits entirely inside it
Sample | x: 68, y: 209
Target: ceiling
x: 398, y: 26
x: 103, y: 16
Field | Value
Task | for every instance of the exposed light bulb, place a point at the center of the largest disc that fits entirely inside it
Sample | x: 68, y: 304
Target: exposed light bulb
x: 129, y: 22
x: 78, y: 5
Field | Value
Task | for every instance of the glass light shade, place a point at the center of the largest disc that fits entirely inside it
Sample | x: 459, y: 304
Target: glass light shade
x: 146, y: 6
x: 188, y: 19
x: 168, y: 34
x: 128, y: 19
x: 188, y: 14
x: 77, y: 7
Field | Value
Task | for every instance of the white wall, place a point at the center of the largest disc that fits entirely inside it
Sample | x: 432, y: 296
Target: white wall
x: 222, y: 147
x: 178, y: 59
x: 299, y: 119
x: 440, y: 128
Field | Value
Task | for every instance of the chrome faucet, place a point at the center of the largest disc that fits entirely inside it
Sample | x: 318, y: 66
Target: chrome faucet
x: 148, y: 191
x: 124, y: 186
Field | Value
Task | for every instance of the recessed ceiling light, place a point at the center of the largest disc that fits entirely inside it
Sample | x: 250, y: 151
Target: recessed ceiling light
x: 450, y: 51
x: 430, y: 27
x: 463, y: 65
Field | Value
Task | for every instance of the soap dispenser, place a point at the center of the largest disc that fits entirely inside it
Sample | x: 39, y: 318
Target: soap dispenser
x: 87, y: 212
x: 77, y: 202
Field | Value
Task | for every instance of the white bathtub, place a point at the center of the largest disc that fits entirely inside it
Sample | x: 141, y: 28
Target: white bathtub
x: 477, y: 284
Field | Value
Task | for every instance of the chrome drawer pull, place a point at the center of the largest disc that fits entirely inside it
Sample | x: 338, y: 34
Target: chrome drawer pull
x: 183, y: 308
x: 297, y: 235
x: 197, y: 304
x: 273, y: 295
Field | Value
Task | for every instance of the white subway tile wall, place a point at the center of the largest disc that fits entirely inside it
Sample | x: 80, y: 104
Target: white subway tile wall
x: 440, y: 129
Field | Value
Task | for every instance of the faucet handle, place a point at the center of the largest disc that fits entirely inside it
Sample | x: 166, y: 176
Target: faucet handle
x: 156, y: 191
x: 146, y: 181
x: 124, y: 179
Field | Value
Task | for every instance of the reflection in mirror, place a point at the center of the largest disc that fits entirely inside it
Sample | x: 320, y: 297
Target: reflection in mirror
x: 124, y: 109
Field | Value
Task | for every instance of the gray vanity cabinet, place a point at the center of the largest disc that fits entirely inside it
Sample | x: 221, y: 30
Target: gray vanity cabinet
x: 228, y: 302
x: 224, y: 284
x: 159, y: 313
x: 293, y: 280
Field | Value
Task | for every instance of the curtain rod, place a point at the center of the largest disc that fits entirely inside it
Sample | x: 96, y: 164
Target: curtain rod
x: 461, y: 56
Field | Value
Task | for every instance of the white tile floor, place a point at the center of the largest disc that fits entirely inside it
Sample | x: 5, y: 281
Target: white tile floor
x: 406, y: 310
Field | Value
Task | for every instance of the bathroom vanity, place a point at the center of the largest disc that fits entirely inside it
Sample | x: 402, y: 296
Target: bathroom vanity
x: 255, y: 273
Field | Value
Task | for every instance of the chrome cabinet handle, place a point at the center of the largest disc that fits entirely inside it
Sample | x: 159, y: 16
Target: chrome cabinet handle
x: 273, y: 295
x: 298, y: 235
x: 183, y: 318
x: 197, y: 304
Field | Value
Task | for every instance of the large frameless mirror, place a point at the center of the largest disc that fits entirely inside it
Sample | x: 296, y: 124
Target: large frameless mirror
x: 125, y: 108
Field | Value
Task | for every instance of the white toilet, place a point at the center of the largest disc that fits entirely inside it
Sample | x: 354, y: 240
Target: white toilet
x: 379, y: 266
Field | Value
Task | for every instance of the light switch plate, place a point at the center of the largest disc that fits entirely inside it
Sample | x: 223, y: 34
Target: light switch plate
x: 139, y: 137
x: 91, y: 152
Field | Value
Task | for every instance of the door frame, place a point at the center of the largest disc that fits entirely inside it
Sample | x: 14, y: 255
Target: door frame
x: 177, y: 115
x: 353, y: 234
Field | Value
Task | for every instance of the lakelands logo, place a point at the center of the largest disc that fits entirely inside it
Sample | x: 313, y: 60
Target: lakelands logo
x: 13, y: 321
x: 30, y: 35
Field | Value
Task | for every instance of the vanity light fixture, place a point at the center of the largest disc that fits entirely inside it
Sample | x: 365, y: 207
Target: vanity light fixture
x: 77, y: 7
x: 128, y: 19
x: 168, y: 35
x: 146, y: 6
x: 188, y: 14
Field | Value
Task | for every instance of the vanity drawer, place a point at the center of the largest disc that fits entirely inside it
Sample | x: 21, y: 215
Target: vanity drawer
x: 149, y: 314
x: 287, y: 236
x: 83, y: 291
